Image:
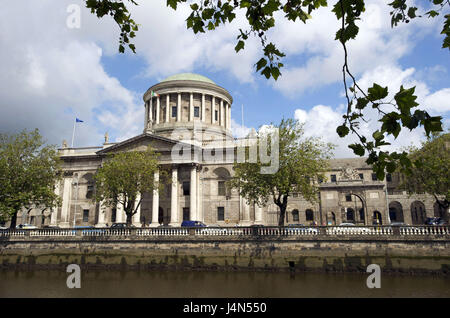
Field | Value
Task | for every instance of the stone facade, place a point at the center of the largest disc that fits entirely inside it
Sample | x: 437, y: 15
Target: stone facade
x: 193, y: 110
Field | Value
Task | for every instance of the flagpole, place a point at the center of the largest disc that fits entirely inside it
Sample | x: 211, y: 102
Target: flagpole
x: 73, y: 133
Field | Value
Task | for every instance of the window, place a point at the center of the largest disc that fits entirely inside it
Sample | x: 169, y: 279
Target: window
x: 295, y: 217
x: 220, y: 213
x: 113, y: 215
x: 186, y: 188
x: 320, y: 179
x: 196, y: 111
x: 85, y: 215
x: 374, y: 177
x: 186, y: 214
x: 174, y: 111
x: 362, y: 217
x: 361, y: 176
x: 221, y: 188
x: 348, y: 197
x: 32, y: 220
x: 216, y: 115
x: 333, y: 178
x: 309, y: 215
x: 350, y: 215
x: 389, y: 177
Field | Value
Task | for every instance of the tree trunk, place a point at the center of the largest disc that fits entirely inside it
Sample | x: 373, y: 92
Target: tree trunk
x: 282, y: 214
x: 129, y: 218
x: 13, y: 221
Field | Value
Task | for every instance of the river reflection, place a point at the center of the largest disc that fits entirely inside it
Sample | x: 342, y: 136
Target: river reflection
x: 217, y: 284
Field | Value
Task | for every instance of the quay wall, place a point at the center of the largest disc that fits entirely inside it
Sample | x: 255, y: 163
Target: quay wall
x: 409, y: 255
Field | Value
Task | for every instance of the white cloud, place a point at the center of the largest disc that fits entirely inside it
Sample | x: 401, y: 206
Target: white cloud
x: 321, y: 120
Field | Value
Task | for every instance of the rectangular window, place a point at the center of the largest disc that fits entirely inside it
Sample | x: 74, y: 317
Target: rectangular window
x: 220, y: 213
x: 197, y: 111
x: 186, y: 188
x: 174, y: 111
x: 216, y: 115
x: 186, y: 214
x: 333, y: 178
x: 361, y: 176
x: 348, y: 198
x: 389, y: 177
x: 85, y: 215
x: 32, y: 220
x: 113, y: 215
x: 374, y: 177
x: 221, y: 188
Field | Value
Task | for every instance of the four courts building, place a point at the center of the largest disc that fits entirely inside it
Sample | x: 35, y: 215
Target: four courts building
x: 191, y: 114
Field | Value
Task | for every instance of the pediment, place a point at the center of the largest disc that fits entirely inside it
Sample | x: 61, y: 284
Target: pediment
x: 141, y: 143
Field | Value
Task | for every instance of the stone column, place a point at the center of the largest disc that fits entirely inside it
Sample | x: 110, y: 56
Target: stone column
x: 191, y: 107
x: 155, y: 203
x: 101, y: 215
x: 179, y: 107
x: 221, y: 117
x: 245, y: 208
x: 167, y: 107
x: 137, y: 215
x: 67, y: 193
x: 203, y: 108
x: 229, y: 116
x: 54, y: 215
x: 174, y: 199
x: 120, y: 213
x: 158, y: 106
x: 258, y: 214
x: 146, y: 116
x: 226, y: 115
x: 150, y: 109
x: 193, y: 194
x: 213, y: 109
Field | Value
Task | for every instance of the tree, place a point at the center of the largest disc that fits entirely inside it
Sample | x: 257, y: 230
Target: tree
x: 123, y: 177
x: 28, y: 174
x: 207, y: 15
x: 302, y: 162
x: 430, y: 172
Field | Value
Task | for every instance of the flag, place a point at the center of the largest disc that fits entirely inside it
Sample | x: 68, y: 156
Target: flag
x: 154, y: 94
x: 78, y: 120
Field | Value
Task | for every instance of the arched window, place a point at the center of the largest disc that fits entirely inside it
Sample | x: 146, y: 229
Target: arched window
x: 377, y: 220
x: 350, y: 215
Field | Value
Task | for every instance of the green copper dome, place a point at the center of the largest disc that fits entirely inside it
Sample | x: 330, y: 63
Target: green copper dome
x: 188, y: 77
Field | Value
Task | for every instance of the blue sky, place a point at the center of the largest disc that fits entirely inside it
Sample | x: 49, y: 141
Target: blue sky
x: 52, y: 73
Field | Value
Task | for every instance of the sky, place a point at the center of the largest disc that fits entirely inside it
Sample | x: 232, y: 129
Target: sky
x: 51, y: 73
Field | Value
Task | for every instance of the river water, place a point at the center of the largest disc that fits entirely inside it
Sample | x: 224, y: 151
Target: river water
x: 217, y: 284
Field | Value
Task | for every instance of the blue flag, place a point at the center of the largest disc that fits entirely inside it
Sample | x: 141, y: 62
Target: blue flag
x: 78, y: 120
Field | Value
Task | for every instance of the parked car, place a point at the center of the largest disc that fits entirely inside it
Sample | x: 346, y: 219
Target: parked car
x: 432, y: 221
x: 193, y: 224
x: 301, y: 229
x: 50, y: 227
x: 3, y: 228
x: 348, y: 228
x: 117, y: 226
x: 26, y: 226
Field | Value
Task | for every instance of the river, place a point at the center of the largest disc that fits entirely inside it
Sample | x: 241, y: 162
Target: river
x: 217, y: 284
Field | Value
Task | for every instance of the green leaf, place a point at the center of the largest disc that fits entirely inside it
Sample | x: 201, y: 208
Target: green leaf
x: 377, y: 92
x: 239, y: 46
x: 342, y: 131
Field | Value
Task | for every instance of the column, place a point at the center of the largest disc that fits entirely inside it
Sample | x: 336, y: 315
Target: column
x: 193, y: 194
x: 226, y: 115
x: 213, y: 109
x: 137, y: 215
x: 191, y: 107
x: 258, y: 214
x: 150, y: 109
x: 203, y: 108
x: 229, y: 116
x: 221, y: 113
x: 167, y: 107
x: 120, y: 213
x: 101, y: 215
x: 179, y: 107
x: 54, y: 216
x: 245, y: 208
x: 67, y: 191
x: 174, y: 198
x: 158, y: 105
x: 155, y: 203
x: 146, y: 116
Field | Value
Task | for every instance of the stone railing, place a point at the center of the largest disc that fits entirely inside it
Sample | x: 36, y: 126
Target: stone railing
x: 260, y: 231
